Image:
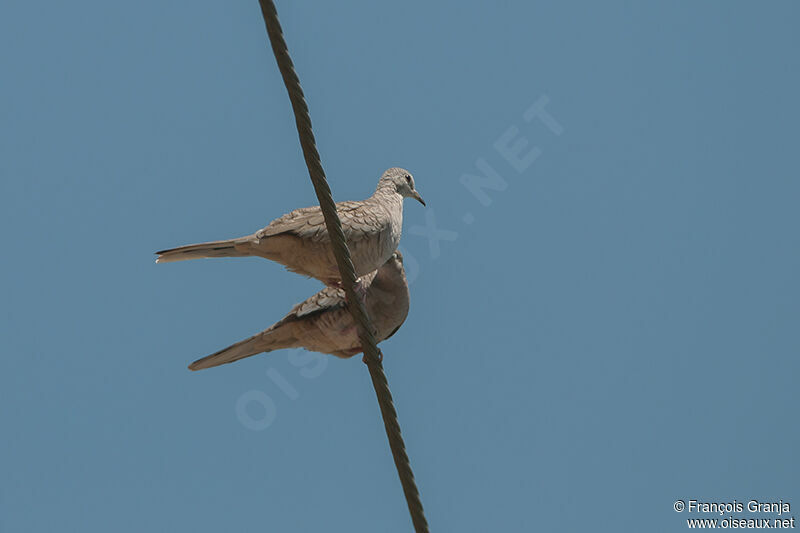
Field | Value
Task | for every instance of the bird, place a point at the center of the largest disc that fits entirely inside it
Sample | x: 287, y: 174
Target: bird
x: 323, y: 323
x: 299, y: 240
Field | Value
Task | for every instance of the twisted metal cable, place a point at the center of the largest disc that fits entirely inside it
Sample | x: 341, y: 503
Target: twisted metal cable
x: 372, y: 355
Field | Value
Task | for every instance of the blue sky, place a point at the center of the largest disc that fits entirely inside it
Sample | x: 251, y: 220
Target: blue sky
x: 609, y: 328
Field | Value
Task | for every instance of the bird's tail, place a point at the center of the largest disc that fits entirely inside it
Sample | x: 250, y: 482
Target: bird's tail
x: 231, y: 248
x: 281, y: 335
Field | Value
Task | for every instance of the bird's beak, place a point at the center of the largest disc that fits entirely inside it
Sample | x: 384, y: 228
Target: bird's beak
x: 417, y: 197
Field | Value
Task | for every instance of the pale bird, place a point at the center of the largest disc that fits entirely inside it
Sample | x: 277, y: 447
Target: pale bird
x: 299, y: 240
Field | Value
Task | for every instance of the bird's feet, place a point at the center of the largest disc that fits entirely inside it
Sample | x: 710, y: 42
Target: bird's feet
x: 360, y: 288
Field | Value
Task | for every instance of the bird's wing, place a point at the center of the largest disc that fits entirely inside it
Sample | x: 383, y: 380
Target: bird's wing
x: 308, y: 223
x: 325, y: 300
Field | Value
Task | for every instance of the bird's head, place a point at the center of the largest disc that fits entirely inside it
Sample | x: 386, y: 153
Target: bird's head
x: 403, y: 183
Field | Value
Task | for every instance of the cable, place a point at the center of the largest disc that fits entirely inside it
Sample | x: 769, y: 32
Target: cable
x: 372, y: 355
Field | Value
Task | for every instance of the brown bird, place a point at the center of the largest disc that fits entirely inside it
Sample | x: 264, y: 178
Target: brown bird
x: 323, y: 323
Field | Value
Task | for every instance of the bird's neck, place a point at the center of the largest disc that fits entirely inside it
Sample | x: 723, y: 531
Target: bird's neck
x: 387, y: 193
x: 389, y: 288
